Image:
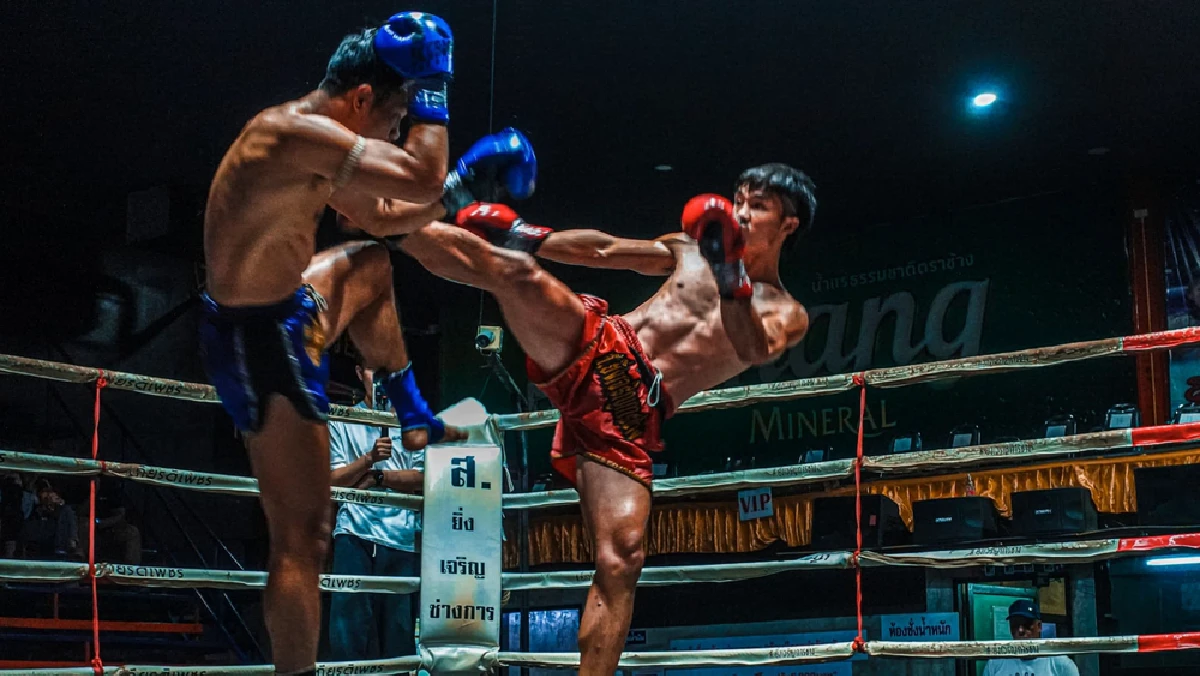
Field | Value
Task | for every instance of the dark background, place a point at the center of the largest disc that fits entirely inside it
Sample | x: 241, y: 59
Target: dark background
x: 103, y: 99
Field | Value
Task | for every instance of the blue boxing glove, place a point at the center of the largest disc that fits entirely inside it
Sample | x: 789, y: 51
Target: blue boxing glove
x: 496, y: 166
x: 420, y: 47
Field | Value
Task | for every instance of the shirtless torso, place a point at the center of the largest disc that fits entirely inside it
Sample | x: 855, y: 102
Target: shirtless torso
x: 260, y: 225
x: 276, y: 179
x: 683, y: 330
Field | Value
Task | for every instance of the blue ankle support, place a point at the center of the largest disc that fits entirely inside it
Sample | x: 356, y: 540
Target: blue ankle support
x: 412, y: 410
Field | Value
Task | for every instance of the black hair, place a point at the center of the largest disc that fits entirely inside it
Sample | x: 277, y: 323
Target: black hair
x: 355, y: 62
x: 793, y: 187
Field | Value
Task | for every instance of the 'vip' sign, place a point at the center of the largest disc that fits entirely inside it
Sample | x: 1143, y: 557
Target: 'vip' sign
x: 755, y: 503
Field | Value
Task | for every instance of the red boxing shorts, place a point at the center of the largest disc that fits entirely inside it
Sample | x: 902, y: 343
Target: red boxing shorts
x: 611, y: 399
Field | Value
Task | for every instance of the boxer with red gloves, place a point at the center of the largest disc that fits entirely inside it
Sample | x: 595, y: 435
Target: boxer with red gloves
x: 616, y: 378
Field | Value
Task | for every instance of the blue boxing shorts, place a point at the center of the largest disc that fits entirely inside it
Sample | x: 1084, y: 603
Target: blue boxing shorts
x: 253, y: 352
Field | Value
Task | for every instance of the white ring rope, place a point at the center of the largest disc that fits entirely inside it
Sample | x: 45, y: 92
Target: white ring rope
x: 1079, y: 551
x: 713, y: 399
x: 183, y: 478
x: 765, y: 657
x: 966, y: 457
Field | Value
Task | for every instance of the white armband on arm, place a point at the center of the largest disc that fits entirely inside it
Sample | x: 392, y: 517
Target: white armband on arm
x: 346, y: 171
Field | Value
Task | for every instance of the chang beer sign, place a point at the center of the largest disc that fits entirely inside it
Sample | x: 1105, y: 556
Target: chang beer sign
x: 884, y: 329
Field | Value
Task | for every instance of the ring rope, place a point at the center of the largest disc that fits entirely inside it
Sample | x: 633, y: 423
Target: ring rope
x: 1072, y: 552
x: 183, y: 478
x: 713, y: 399
x: 1159, y: 437
x: 899, y: 376
x: 861, y: 383
x: 97, y: 662
x: 781, y: 656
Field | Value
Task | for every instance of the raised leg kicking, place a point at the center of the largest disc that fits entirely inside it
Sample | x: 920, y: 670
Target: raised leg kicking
x: 616, y: 378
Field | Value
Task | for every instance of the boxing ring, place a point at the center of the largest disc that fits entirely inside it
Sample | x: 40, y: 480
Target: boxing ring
x: 487, y: 433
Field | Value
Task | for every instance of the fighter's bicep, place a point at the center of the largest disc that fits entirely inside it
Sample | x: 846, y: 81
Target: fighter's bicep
x: 388, y: 171
x: 324, y: 147
x: 796, y: 323
x: 784, y: 327
x: 313, y: 143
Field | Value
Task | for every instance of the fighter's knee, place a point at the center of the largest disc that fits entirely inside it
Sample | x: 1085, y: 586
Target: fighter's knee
x: 622, y: 559
x: 521, y: 269
x: 373, y: 259
x: 303, y: 535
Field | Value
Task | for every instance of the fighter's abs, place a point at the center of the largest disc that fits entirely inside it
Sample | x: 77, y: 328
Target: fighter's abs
x: 259, y: 238
x: 682, y: 331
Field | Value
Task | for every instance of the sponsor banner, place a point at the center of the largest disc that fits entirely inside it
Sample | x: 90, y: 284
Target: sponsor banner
x: 461, y: 547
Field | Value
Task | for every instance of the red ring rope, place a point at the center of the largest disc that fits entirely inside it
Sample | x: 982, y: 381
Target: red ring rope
x: 97, y: 663
x: 861, y: 382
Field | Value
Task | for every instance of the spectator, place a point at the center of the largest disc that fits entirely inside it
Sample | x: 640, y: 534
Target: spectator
x: 50, y: 530
x: 1025, y: 622
x: 117, y: 540
x: 373, y: 540
x: 12, y: 514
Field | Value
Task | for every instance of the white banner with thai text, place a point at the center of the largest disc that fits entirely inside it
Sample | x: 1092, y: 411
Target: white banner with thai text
x: 461, y: 547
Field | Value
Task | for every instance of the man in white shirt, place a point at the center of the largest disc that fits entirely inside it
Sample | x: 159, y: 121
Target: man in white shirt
x: 373, y: 540
x: 1025, y: 622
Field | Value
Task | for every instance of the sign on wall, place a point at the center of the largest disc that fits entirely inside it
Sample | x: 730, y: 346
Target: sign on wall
x: 912, y: 627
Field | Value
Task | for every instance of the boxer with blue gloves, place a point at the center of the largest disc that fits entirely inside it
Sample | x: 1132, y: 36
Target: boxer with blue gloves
x: 271, y: 307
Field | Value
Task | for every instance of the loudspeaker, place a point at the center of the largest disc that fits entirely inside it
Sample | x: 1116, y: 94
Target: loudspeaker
x: 1051, y: 511
x: 947, y: 520
x: 1166, y: 496
x: 833, y: 523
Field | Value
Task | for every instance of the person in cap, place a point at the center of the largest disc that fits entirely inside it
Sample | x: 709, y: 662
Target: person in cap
x: 1025, y: 623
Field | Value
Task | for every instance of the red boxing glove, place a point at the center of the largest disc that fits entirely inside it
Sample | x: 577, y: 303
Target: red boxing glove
x: 501, y: 226
x: 709, y: 220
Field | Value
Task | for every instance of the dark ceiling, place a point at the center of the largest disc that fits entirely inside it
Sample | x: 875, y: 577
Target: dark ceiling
x: 105, y: 97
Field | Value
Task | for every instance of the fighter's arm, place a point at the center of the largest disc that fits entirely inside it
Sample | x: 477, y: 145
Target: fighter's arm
x: 345, y: 470
x: 596, y: 249
x: 499, y: 225
x: 318, y: 144
x: 384, y: 216
x: 761, y: 335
